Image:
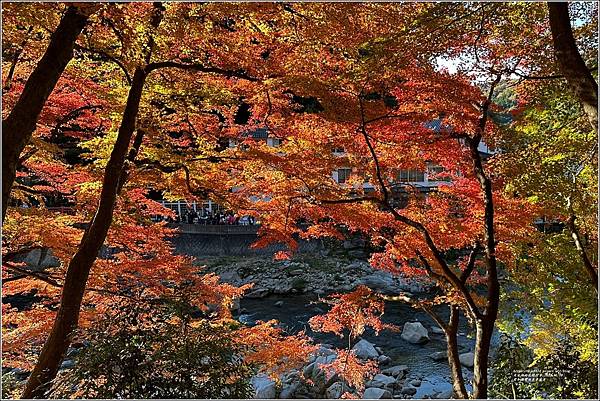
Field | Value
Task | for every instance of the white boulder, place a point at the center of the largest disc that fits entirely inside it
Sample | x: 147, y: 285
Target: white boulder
x: 398, y: 370
x: 365, y: 350
x: 264, y: 387
x: 415, y: 333
x: 467, y: 359
x: 381, y: 381
x: 439, y: 356
x: 374, y: 393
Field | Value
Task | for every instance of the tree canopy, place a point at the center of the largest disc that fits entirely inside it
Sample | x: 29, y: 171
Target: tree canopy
x: 108, y: 108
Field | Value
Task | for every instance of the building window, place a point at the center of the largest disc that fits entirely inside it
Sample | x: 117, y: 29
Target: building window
x: 411, y: 176
x: 343, y: 174
x: 433, y: 172
x: 274, y: 142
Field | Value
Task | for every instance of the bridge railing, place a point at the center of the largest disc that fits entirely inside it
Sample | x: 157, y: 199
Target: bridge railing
x: 221, y: 229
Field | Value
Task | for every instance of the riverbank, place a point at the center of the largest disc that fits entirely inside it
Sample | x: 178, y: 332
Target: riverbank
x: 424, y: 368
x: 289, y: 291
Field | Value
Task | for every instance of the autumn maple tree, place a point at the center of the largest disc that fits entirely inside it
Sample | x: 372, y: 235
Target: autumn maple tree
x: 20, y: 123
x: 350, y: 315
x: 385, y: 121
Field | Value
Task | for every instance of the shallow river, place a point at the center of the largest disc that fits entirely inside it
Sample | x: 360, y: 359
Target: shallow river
x: 297, y: 309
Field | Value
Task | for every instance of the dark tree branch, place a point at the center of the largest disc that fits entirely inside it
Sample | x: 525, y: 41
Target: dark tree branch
x: 28, y: 273
x: 201, y: 68
x: 21, y: 122
x: 571, y: 63
x: 73, y: 114
x: 15, y: 60
x: 427, y: 266
x: 470, y: 263
x: 546, y: 77
x: 385, y: 203
x: 13, y: 254
x: 103, y: 56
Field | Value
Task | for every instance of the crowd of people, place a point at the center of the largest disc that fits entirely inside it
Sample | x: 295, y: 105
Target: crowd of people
x: 206, y: 217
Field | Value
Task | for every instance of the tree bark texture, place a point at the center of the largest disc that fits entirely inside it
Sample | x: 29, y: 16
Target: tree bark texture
x: 587, y: 263
x: 451, y: 330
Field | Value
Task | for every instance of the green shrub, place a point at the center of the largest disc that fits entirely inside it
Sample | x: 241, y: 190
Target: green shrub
x: 517, y: 374
x: 299, y: 283
x: 11, y: 387
x: 158, y: 353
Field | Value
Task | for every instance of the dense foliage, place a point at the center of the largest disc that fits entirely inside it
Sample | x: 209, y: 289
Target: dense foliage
x: 108, y: 108
x: 560, y: 374
x: 161, y: 352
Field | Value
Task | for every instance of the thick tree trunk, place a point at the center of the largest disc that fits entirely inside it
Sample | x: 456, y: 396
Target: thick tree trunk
x: 79, y: 268
x: 571, y: 63
x: 451, y: 331
x: 483, y: 342
x: 81, y: 263
x: 20, y: 123
x: 485, y: 321
x: 587, y: 263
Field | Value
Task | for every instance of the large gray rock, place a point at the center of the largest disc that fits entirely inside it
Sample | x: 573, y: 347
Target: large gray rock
x: 398, y: 370
x: 230, y: 277
x: 38, y: 260
x: 320, y: 376
x: 415, y: 333
x: 264, y: 387
x: 408, y: 390
x: 323, y: 360
x: 289, y: 390
x: 308, y: 369
x: 67, y: 363
x: 383, y: 360
x: 467, y: 359
x: 439, y: 356
x: 382, y: 381
x: 380, y: 281
x: 374, y: 393
x: 365, y: 350
x: 336, y: 390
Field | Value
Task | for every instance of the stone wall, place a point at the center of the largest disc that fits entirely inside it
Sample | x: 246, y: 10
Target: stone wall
x: 232, y: 244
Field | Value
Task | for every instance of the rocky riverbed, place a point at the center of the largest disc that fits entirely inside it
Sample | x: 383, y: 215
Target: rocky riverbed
x: 307, y: 275
x: 412, y: 361
x: 410, y: 366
